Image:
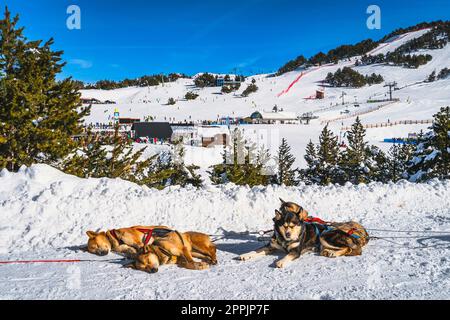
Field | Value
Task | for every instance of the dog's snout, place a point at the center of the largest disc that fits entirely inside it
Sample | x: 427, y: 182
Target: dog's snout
x: 153, y: 270
x: 288, y: 234
x: 102, y: 253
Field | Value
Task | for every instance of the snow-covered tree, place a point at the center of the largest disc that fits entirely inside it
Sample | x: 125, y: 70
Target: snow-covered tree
x: 431, y: 77
x: 432, y: 156
x: 398, y: 157
x: 242, y: 164
x: 309, y: 175
x: 354, y: 160
x: 92, y: 159
x: 286, y: 174
x: 328, y: 157
x: 376, y: 162
x: 180, y: 173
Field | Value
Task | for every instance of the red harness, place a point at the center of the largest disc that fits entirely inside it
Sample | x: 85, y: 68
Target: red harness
x: 320, y: 221
x: 315, y: 220
x: 147, y: 235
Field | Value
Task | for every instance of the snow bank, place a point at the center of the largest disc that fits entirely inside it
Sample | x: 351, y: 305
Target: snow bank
x: 42, y: 207
x: 44, y: 215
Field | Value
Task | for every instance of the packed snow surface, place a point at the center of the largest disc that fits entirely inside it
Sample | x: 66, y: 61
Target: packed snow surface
x: 44, y: 214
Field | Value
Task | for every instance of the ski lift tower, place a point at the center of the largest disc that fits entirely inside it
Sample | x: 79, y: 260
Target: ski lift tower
x: 162, y: 79
x: 392, y: 86
x: 343, y: 97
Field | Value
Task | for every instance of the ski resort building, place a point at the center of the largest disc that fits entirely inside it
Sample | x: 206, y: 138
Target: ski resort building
x: 187, y: 133
x: 220, y: 82
x: 274, y: 117
x: 212, y: 136
x: 127, y: 123
x: 153, y: 132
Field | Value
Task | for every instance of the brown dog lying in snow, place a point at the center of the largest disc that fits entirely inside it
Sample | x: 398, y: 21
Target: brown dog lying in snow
x: 126, y: 241
x: 177, y: 248
x: 152, y: 246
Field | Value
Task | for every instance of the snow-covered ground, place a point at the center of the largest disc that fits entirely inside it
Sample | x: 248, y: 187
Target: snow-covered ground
x: 44, y: 215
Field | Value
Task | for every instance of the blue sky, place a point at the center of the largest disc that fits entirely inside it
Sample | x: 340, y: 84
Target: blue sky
x: 120, y: 39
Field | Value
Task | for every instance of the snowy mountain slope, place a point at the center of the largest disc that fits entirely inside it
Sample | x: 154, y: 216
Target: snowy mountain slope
x: 45, y: 213
x: 139, y: 102
x: 418, y: 101
x: 395, y: 42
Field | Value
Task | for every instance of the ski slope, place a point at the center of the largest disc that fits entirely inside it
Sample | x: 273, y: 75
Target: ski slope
x: 45, y: 213
x: 418, y: 101
x: 397, y: 41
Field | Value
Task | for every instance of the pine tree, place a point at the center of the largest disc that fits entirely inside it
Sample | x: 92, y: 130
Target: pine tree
x: 92, y: 159
x: 182, y: 175
x: 256, y: 172
x: 377, y: 164
x: 311, y: 155
x: 122, y: 160
x: 251, y: 88
x: 432, y: 77
x: 242, y: 164
x: 327, y: 156
x: 159, y: 172
x: 286, y: 174
x: 309, y: 175
x: 191, y: 95
x: 432, y: 156
x: 354, y: 158
x: 39, y: 114
x: 89, y: 160
x: 398, y: 157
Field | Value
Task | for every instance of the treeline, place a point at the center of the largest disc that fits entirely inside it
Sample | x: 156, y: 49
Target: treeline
x: 328, y: 163
x: 98, y: 156
x: 396, y: 58
x: 348, y: 77
x: 360, y: 162
x: 437, y: 38
x: 417, y: 27
x: 333, y: 56
x: 145, y: 81
x: 209, y: 80
x: 443, y: 74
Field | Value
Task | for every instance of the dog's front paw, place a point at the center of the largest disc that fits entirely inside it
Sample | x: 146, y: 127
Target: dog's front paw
x: 247, y: 256
x: 281, y: 263
x: 202, y: 265
x: 328, y: 253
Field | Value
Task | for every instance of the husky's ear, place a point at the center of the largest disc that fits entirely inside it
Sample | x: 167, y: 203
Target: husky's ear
x: 91, y: 234
x: 302, y: 214
x: 278, y: 215
x: 282, y: 201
